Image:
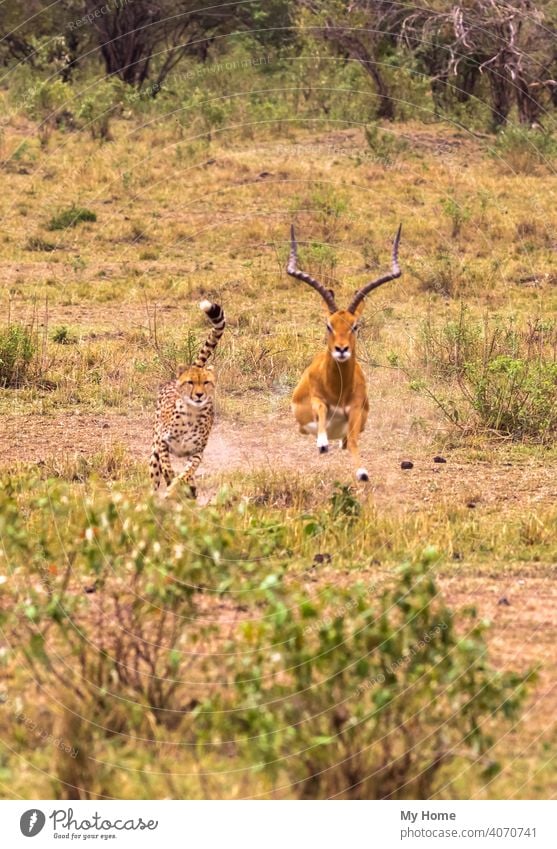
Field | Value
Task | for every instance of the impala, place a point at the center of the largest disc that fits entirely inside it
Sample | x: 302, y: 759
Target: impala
x: 331, y: 398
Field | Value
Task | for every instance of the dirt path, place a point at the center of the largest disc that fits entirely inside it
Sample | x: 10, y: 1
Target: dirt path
x: 275, y: 446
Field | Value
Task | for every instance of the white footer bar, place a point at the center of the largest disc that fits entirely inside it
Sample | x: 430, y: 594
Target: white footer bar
x: 280, y: 825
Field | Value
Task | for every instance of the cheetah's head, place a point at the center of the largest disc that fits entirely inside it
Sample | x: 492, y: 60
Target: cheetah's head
x: 197, y: 386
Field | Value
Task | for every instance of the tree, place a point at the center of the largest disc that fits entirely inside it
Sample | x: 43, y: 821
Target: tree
x: 510, y: 44
x: 146, y: 40
x: 363, y: 30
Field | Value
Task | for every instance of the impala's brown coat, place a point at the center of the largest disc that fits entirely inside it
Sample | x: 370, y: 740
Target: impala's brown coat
x: 331, y: 398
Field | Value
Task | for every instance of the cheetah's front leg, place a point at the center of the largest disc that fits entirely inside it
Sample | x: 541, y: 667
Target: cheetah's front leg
x: 187, y: 476
x: 160, y: 464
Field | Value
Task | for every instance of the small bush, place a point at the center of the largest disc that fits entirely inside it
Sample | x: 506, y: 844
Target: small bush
x: 63, y: 336
x: 450, y: 275
x: 35, y: 243
x: 525, y: 151
x: 98, y: 106
x: 17, y: 349
x: 457, y: 214
x: 386, y: 147
x: 444, y: 349
x: 71, y: 217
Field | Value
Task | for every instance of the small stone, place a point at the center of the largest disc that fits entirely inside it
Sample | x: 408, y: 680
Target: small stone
x: 407, y: 464
x: 322, y: 558
x: 471, y: 504
x: 457, y: 555
x: 504, y: 601
x: 439, y: 460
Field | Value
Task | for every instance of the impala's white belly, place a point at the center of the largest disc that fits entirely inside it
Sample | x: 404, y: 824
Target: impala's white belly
x: 337, y: 424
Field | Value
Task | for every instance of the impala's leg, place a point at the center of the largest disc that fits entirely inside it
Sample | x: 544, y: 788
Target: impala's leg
x: 356, y: 423
x: 319, y: 409
x: 303, y: 415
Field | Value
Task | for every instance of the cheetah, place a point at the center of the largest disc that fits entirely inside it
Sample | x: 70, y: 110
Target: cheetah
x: 185, y: 413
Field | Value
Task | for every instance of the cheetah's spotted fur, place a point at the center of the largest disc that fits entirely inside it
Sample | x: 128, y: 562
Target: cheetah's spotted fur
x: 185, y: 412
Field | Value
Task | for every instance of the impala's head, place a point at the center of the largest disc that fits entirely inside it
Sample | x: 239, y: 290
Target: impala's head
x: 342, y: 325
x: 196, y: 386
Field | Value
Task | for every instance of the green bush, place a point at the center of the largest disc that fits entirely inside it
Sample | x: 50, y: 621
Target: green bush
x: 71, y: 217
x: 98, y: 105
x: 350, y: 697
x: 457, y: 214
x: 63, y: 336
x: 497, y: 376
x: 17, y: 349
x: 385, y: 146
x: 514, y: 396
x: 444, y: 349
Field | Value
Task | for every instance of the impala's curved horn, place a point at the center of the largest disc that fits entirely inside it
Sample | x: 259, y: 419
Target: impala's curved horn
x: 292, y: 270
x: 369, y: 287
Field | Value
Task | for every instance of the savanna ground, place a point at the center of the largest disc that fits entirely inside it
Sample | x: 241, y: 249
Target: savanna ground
x: 111, y: 304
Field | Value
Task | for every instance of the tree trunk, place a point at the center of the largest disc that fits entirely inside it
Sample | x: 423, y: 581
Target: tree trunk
x: 529, y: 108
x: 358, y: 51
x: 500, y: 98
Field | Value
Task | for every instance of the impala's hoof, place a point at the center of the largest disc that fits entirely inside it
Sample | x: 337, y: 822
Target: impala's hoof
x: 322, y: 443
x: 362, y: 475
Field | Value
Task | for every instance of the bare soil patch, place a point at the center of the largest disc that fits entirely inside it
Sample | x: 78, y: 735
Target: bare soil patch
x: 274, y: 445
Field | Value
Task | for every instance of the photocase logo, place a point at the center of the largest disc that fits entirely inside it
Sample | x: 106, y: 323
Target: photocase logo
x: 32, y: 822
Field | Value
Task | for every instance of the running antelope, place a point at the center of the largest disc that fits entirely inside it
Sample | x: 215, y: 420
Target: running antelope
x: 331, y: 398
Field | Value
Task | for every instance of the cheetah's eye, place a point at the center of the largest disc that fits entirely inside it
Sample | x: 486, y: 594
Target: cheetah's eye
x: 207, y: 383
x: 189, y: 382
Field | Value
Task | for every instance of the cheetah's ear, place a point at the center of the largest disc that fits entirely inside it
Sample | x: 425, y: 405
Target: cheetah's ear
x: 210, y: 367
x: 180, y: 370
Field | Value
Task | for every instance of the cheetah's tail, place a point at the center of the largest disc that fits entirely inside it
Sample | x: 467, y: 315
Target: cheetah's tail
x: 215, y: 314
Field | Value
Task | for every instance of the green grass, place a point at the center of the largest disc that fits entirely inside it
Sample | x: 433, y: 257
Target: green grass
x: 71, y: 217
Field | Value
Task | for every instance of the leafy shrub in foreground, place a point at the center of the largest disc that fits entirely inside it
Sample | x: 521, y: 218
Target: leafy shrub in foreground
x: 348, y: 697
